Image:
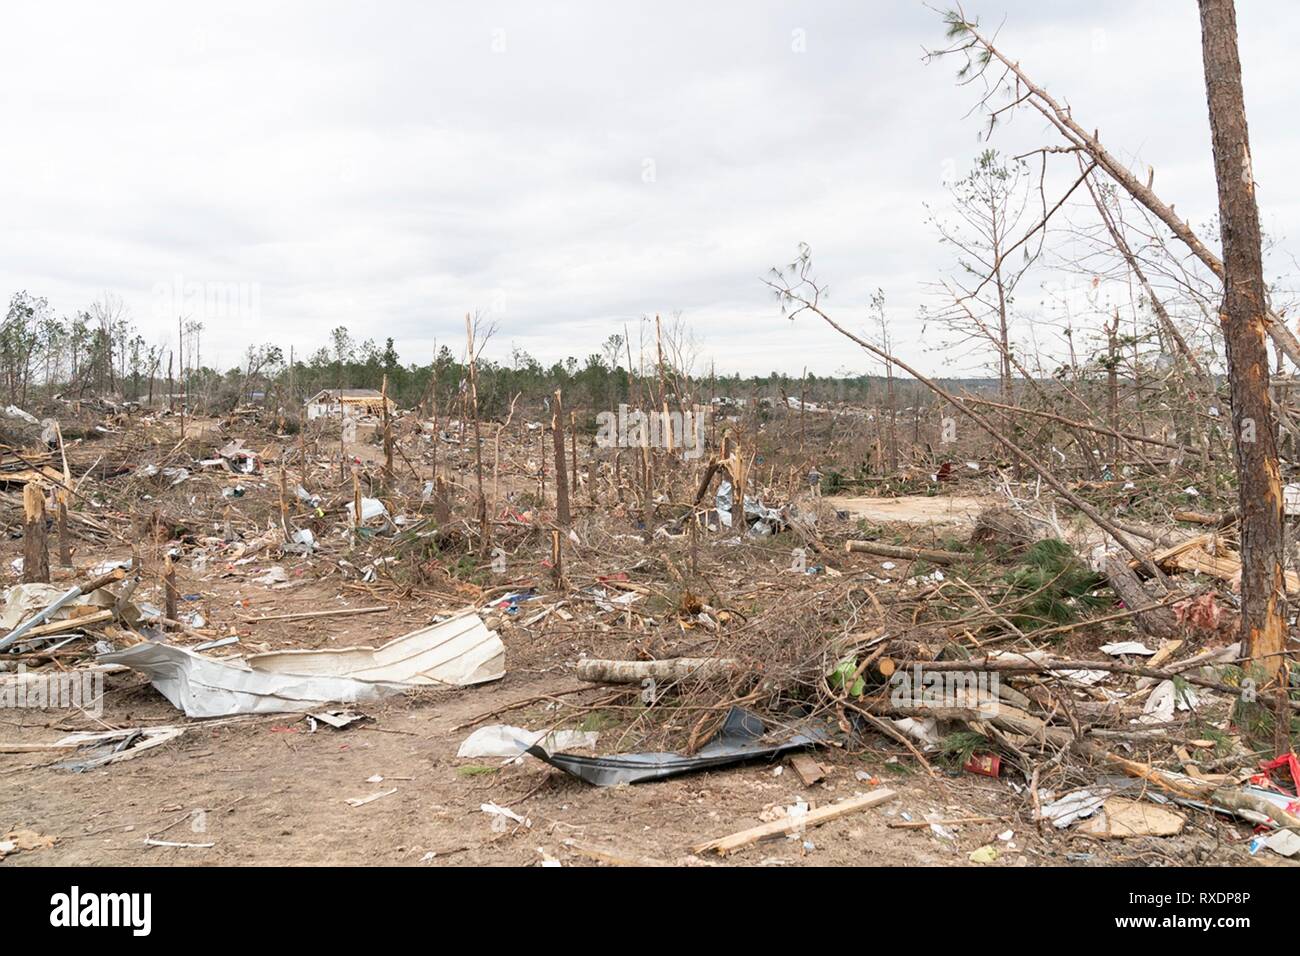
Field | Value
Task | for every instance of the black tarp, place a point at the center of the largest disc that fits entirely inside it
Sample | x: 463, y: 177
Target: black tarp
x: 740, y: 738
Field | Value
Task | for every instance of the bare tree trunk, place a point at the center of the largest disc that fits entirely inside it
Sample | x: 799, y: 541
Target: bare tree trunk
x: 573, y: 460
x: 561, y: 472
x: 803, y: 401
x: 65, y: 541
x: 485, y: 527
x: 1245, y: 326
x: 169, y: 589
x: 1112, y: 386
x: 893, y: 419
x: 388, y: 435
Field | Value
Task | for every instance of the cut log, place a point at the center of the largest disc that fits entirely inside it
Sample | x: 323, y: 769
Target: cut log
x: 1237, y: 800
x: 813, y: 818
x: 1034, y: 729
x: 905, y: 554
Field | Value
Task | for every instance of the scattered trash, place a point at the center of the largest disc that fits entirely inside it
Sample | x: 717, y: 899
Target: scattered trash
x: 362, y: 801
x: 988, y: 765
x: 339, y: 719
x: 502, y: 740
x: 1073, y: 807
x: 503, y: 813
x: 1164, y: 700
x: 1118, y: 648
x: 99, y: 748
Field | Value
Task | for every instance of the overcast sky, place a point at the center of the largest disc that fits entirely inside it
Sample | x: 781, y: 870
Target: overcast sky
x: 563, y: 167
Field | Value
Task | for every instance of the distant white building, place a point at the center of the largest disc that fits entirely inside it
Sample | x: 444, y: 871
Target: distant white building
x: 333, y: 402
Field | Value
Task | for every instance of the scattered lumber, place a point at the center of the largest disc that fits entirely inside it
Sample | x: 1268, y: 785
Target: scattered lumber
x: 304, y: 615
x: 813, y: 818
x: 1221, y: 563
x: 94, y: 584
x: 75, y: 623
x: 951, y: 822
x: 34, y: 748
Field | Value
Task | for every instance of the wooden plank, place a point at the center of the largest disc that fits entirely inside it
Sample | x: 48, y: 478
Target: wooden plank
x: 74, y: 623
x: 303, y: 615
x: 808, y: 770
x: 814, y: 818
x: 1225, y: 566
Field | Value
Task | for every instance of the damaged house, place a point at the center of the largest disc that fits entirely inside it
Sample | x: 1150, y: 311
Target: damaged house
x: 331, y: 402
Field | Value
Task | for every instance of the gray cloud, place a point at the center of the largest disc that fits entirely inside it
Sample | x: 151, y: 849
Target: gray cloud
x: 391, y: 166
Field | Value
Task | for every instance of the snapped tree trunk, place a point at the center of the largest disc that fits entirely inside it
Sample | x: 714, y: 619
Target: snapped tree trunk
x: 1159, y: 621
x: 36, y: 550
x: 561, y: 471
x: 1243, y: 316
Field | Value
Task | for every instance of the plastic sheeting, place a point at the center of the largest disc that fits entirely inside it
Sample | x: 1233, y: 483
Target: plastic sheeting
x: 503, y: 740
x: 741, y: 738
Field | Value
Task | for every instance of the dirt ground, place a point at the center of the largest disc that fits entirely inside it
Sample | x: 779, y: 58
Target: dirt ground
x: 266, y: 790
x: 270, y: 790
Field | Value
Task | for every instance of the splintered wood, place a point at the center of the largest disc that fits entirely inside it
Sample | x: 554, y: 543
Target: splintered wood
x: 1205, y: 554
x: 777, y: 828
